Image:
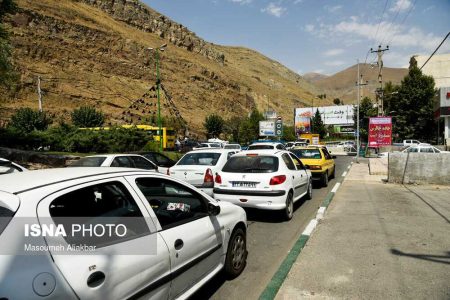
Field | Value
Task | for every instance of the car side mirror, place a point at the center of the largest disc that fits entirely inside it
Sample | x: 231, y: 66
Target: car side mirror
x: 213, y: 210
x: 307, y: 167
x: 333, y: 157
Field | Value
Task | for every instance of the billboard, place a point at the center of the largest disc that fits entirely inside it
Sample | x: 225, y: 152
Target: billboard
x: 266, y: 128
x: 331, y: 115
x: 380, y: 131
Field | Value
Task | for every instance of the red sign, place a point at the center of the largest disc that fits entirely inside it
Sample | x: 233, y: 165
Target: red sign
x: 380, y: 131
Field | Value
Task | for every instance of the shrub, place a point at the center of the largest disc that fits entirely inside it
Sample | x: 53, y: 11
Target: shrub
x: 26, y: 120
x: 87, y: 116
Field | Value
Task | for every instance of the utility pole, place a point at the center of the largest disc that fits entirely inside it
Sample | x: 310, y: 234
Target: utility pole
x: 380, y: 53
x: 158, y: 86
x: 39, y: 93
x: 358, y: 86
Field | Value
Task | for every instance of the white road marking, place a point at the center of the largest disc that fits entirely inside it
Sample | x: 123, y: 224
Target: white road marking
x: 321, y: 213
x: 335, y: 188
x: 309, y: 229
x: 343, y: 174
x: 348, y: 167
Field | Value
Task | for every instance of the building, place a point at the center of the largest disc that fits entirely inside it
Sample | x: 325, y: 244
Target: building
x: 439, y: 68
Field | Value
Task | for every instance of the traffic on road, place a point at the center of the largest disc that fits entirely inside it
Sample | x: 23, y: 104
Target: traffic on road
x: 181, y: 231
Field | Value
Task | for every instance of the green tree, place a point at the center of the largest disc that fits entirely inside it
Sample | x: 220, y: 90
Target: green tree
x: 317, y: 124
x: 8, y: 76
x: 214, y: 125
x: 26, y: 120
x: 249, y: 129
x: 232, y: 127
x: 87, y: 116
x: 412, y: 106
x: 289, y: 133
x: 366, y: 110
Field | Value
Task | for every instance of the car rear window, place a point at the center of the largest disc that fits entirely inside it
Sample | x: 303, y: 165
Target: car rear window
x: 203, y: 159
x: 307, y: 153
x: 89, y: 162
x: 260, y: 147
x: 6, y: 216
x: 251, y: 164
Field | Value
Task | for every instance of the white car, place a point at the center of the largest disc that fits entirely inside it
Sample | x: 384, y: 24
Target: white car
x: 291, y: 145
x: 116, y: 160
x: 423, y: 148
x: 266, y: 146
x: 200, y: 166
x: 236, y: 147
x: 207, y: 146
x: 8, y: 167
x: 271, y: 180
x: 411, y: 142
x: 167, y: 238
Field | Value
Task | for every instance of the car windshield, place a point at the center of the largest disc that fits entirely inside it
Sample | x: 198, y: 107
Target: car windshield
x: 260, y: 147
x: 307, y: 153
x: 89, y: 162
x: 251, y: 164
x: 203, y: 159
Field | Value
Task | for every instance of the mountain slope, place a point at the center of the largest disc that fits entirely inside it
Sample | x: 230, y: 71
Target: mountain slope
x: 343, y: 84
x: 94, y: 52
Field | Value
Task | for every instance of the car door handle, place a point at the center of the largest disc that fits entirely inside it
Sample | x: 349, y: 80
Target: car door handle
x: 96, y: 279
x: 178, y: 244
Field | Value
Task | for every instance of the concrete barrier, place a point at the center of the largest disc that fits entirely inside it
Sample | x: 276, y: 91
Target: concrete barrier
x: 27, y: 158
x: 421, y: 168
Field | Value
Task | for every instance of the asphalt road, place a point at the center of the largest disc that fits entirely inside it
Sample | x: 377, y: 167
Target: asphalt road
x: 269, y: 240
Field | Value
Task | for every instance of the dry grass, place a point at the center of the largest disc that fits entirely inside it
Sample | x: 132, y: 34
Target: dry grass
x: 85, y: 57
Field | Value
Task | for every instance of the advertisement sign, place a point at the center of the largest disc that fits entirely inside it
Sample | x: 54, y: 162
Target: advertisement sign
x: 266, y: 128
x: 331, y: 115
x: 380, y: 131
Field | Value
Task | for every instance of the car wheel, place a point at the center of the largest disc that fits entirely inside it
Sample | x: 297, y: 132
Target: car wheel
x: 309, y: 191
x: 325, y: 179
x: 289, y: 210
x: 236, y: 253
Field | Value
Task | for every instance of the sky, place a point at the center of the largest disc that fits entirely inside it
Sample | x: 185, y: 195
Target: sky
x: 322, y: 36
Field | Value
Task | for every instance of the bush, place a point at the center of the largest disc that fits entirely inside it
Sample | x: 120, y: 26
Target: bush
x: 26, y: 120
x: 70, y: 139
x: 87, y: 116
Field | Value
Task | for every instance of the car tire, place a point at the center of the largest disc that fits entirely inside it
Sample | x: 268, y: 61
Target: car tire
x: 325, y: 179
x: 236, y: 253
x: 288, y: 211
x: 309, y: 191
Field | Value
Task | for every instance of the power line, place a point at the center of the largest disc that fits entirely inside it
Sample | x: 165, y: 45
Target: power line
x: 435, y: 50
x: 404, y: 19
x: 381, y: 18
x: 389, y: 25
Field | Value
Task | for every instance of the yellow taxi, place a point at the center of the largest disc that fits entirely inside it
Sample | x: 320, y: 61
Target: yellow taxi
x: 318, y: 160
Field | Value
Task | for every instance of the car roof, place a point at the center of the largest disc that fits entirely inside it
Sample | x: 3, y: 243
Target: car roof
x: 16, y: 183
x: 211, y: 150
x: 265, y: 143
x: 261, y: 152
x: 113, y: 155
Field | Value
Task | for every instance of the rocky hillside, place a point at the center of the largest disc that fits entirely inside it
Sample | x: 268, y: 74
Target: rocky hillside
x: 95, y: 52
x: 342, y: 84
x: 313, y: 77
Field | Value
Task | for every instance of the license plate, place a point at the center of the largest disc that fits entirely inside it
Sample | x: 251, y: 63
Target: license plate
x: 243, y: 184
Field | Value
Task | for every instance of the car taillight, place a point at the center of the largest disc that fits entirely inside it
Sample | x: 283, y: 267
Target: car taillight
x: 218, y: 179
x: 314, y: 167
x: 277, y: 179
x: 208, y: 176
x: 168, y: 171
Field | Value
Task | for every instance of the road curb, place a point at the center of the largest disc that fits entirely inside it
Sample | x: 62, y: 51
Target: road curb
x: 280, y: 275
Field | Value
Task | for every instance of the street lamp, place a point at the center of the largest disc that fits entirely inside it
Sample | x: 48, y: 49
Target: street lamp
x: 158, y: 83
